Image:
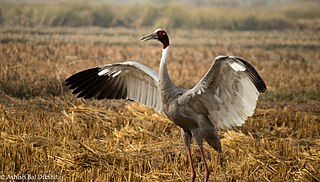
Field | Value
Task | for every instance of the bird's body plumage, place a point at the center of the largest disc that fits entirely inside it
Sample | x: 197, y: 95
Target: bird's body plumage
x: 222, y: 99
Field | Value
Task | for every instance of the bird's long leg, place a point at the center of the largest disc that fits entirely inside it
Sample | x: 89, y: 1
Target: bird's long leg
x: 193, y: 173
x: 207, y: 171
x: 186, y: 137
x: 221, y: 159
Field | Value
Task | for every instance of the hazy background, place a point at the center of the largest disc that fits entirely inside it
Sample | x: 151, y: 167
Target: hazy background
x: 191, y: 14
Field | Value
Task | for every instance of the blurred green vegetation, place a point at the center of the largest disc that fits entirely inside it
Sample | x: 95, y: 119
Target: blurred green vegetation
x: 300, y: 15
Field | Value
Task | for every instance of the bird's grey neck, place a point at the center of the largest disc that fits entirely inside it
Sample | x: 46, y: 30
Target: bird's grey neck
x: 166, y: 85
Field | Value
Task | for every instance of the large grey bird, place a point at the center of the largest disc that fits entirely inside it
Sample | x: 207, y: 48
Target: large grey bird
x: 222, y: 99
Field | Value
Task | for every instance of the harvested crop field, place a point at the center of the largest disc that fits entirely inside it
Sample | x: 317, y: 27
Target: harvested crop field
x: 47, y: 132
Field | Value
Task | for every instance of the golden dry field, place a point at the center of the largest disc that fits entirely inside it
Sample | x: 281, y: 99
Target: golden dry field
x: 47, y: 132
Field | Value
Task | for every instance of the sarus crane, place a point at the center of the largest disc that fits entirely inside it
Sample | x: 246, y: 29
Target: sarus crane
x: 222, y: 99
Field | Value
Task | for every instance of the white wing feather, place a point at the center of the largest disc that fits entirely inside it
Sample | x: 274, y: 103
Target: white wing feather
x: 228, y: 92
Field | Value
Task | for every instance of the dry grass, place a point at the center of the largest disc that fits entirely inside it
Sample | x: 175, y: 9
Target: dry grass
x: 46, y: 130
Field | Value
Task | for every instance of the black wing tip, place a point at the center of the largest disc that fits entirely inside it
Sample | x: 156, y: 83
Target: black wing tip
x: 261, y: 86
x: 75, y: 80
x: 81, y: 74
x: 88, y: 84
x: 254, y: 75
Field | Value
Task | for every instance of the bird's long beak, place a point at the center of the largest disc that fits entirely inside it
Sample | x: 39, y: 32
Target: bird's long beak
x: 149, y: 37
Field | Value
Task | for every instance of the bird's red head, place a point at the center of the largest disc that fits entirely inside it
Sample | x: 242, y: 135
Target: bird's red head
x: 160, y: 35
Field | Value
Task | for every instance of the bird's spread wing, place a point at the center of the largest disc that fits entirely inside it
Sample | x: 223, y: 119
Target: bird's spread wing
x: 126, y: 80
x: 228, y: 93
